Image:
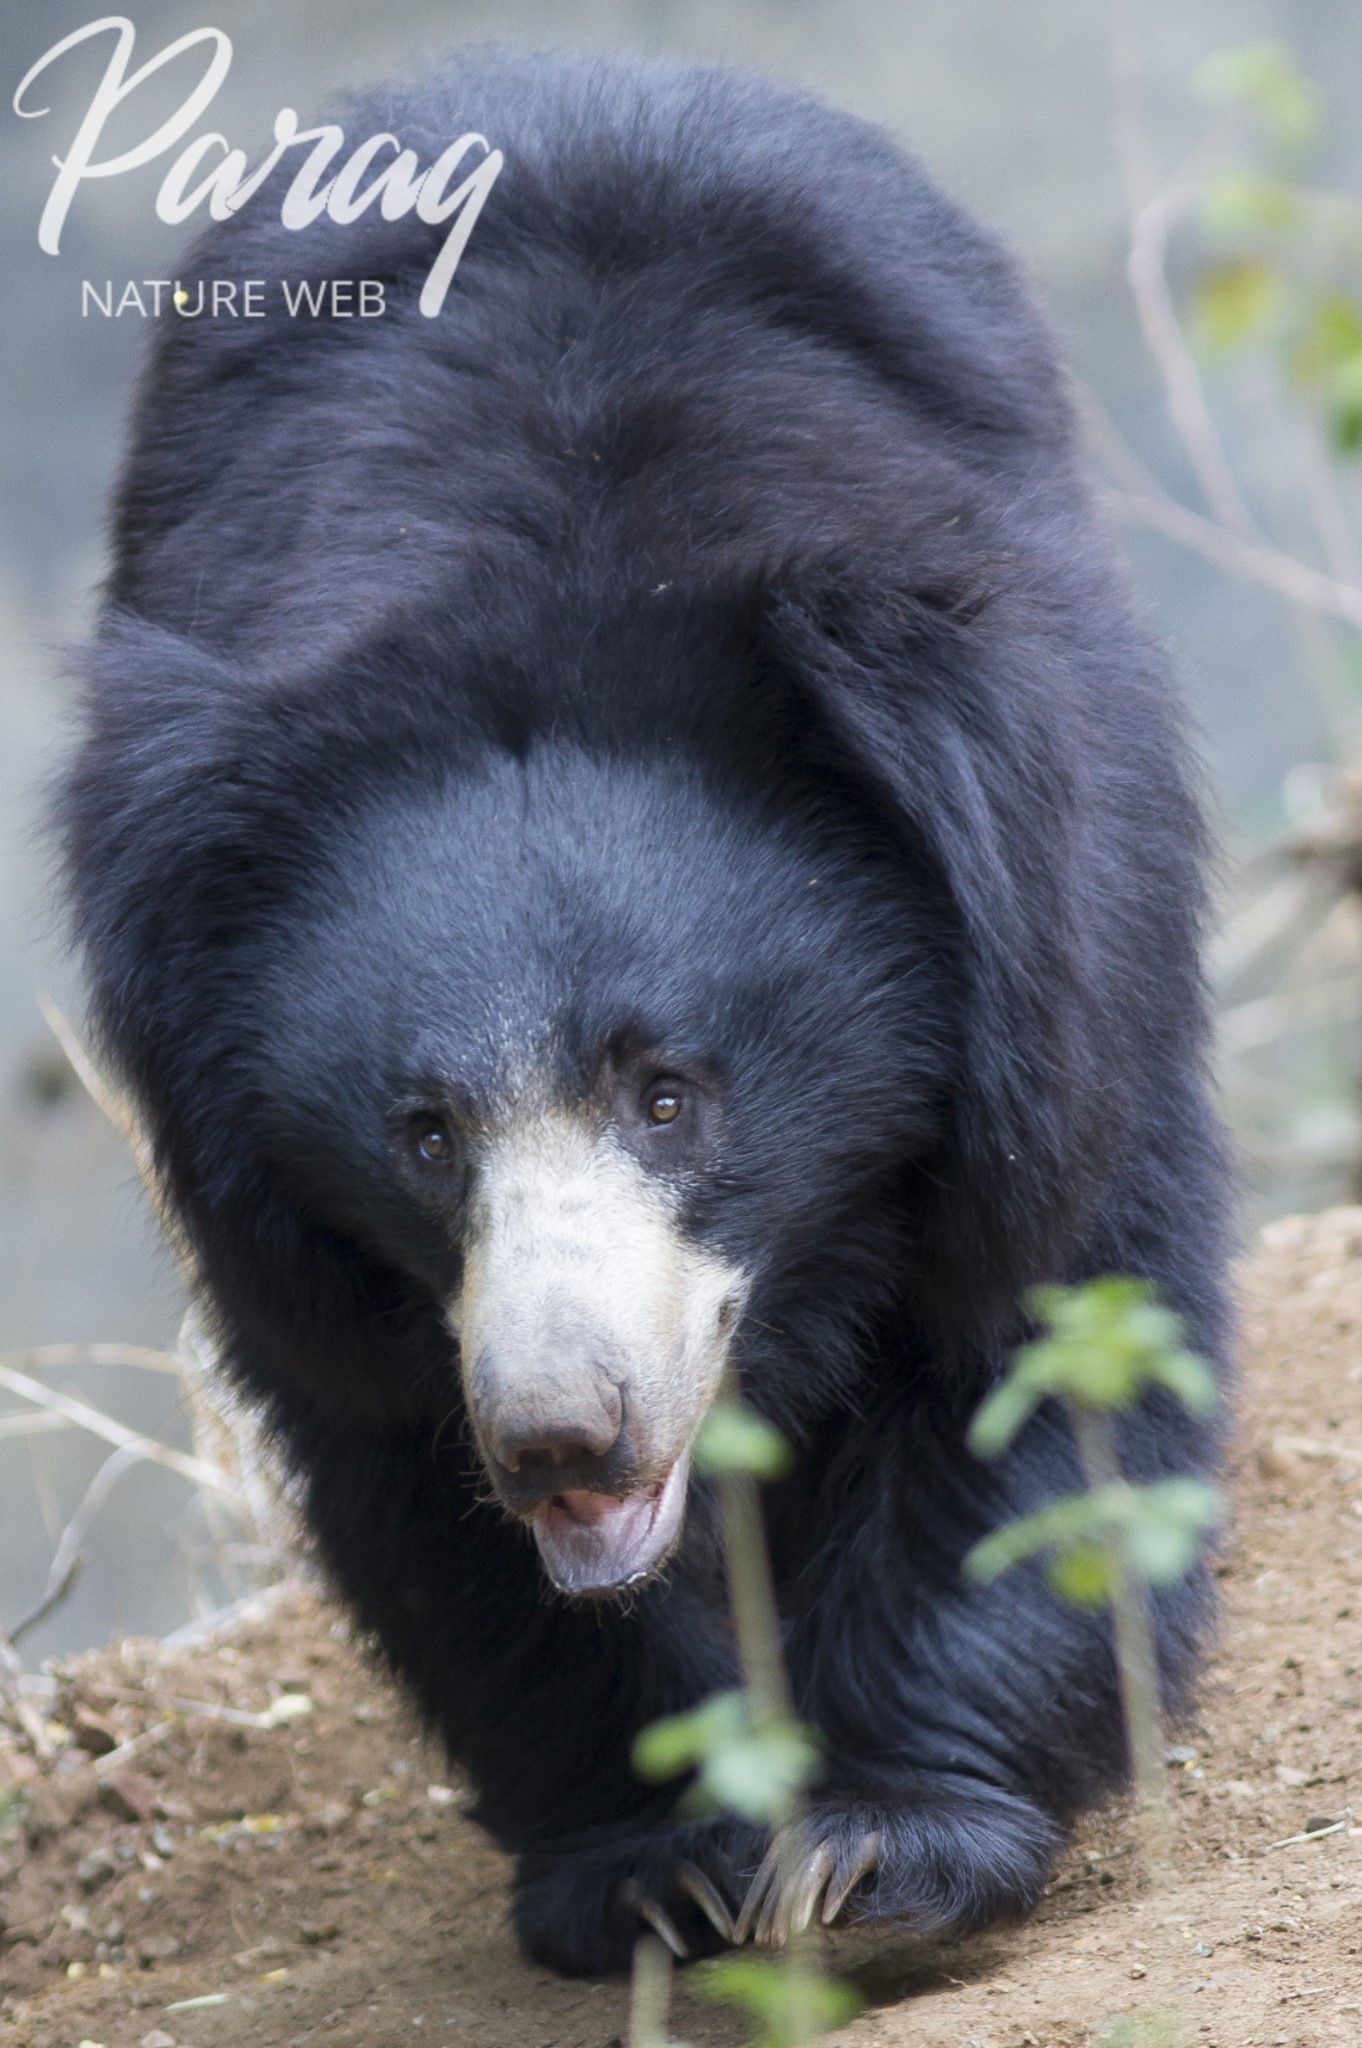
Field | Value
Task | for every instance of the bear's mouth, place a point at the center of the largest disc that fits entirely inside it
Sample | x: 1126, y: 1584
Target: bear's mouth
x: 595, y: 1543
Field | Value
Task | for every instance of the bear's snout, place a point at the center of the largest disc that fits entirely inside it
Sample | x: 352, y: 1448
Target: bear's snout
x: 592, y: 1336
x: 551, y: 1425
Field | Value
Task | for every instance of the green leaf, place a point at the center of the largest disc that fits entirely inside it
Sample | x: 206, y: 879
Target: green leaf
x: 1189, y: 1377
x: 789, y: 2004
x: 1328, y: 358
x: 1266, y: 77
x: 734, y: 1439
x: 1002, y: 1415
x: 1343, y: 403
x: 1232, y: 302
x: 1333, y: 335
x: 758, y: 1772
x: 1086, y: 1576
x: 1246, y: 203
x: 1153, y: 1532
x: 1107, y: 1341
x: 1167, y: 1525
x: 666, y: 1748
x: 1077, y: 1518
x: 761, y: 1775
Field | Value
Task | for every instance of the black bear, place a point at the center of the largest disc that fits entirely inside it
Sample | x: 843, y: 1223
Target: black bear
x: 628, y: 832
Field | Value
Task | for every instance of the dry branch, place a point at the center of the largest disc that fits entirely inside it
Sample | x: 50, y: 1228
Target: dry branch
x: 201, y: 1474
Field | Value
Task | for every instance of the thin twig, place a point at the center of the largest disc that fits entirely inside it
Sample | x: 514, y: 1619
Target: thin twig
x: 121, y: 1114
x: 252, y: 1608
x: 1249, y: 561
x: 10, y: 1670
x: 1141, y: 500
x: 1284, y: 914
x: 1279, y: 920
x: 65, y: 1357
x: 51, y: 1599
x: 106, y: 1098
x: 1182, y: 380
x: 81, y: 1413
x: 222, y: 1440
x: 1311, y: 1448
x: 210, y: 1710
x: 67, y: 1558
x: 1132, y: 147
x: 34, y: 1727
x: 1153, y: 214
x: 1332, y: 524
x: 752, y: 1598
x: 1263, y: 1021
x: 756, y: 1626
x: 1335, y: 1827
x: 1137, y: 1663
x: 40, y: 1424
x: 127, y: 1752
x: 650, y: 1992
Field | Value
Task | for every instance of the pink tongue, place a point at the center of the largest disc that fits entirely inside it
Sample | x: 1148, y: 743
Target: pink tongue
x: 592, y: 1543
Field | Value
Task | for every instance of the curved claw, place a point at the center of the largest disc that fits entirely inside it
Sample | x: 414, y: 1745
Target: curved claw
x: 708, y: 1898
x: 850, y: 1875
x: 798, y: 1898
x: 766, y: 1878
x: 779, y: 1907
x: 657, y: 1917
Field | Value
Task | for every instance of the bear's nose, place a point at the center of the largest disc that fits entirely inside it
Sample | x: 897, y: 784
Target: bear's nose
x: 542, y: 1432
x: 530, y: 1445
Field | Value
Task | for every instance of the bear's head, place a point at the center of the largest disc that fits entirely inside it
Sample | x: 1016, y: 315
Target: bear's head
x: 605, y: 1057
x: 548, y: 1005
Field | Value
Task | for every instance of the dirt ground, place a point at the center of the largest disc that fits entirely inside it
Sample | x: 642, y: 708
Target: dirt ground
x: 271, y: 1855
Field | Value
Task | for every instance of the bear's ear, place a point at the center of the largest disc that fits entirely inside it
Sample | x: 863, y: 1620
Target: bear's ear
x: 956, y: 705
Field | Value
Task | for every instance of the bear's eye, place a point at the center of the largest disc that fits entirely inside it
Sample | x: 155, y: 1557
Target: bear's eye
x: 663, y: 1103
x: 434, y: 1143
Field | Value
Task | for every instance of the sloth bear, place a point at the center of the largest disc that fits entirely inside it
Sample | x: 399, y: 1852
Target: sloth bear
x: 627, y: 834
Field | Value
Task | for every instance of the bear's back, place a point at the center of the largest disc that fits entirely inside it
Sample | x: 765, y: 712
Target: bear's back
x: 699, y: 314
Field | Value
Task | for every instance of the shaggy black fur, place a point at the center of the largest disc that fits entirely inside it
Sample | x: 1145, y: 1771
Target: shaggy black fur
x: 698, y: 633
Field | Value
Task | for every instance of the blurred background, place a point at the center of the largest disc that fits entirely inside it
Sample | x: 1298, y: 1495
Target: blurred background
x: 1183, y: 183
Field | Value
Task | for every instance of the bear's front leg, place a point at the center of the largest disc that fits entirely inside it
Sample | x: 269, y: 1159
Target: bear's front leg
x: 951, y: 1855
x: 957, y: 1857
x: 962, y: 1726
x: 580, y: 1906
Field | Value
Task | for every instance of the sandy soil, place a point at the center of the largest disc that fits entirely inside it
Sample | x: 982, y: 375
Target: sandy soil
x: 318, y: 1881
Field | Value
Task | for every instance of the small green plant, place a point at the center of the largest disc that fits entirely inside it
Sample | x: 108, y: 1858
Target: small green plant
x: 748, y: 1753
x: 746, y: 1748
x: 787, y: 2003
x: 757, y: 1769
x: 1287, y: 261
x: 650, y: 1993
x: 1106, y: 1343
